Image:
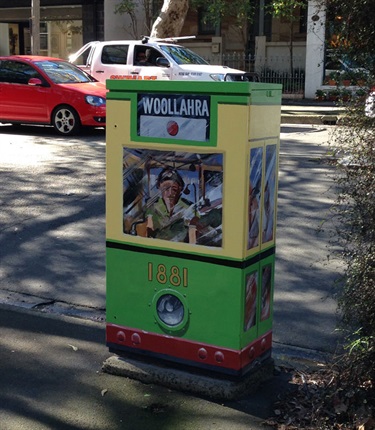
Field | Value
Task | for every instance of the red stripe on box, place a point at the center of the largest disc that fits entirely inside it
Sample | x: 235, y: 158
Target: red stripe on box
x: 182, y: 349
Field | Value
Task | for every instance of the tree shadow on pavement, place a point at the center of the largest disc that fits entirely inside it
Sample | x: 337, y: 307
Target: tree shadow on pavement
x: 52, y: 379
x: 305, y: 313
x: 52, y: 237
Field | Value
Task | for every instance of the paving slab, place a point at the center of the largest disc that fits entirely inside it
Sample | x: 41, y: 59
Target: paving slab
x: 51, y: 372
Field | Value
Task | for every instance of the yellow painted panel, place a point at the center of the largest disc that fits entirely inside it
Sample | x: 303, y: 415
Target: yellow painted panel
x: 240, y: 127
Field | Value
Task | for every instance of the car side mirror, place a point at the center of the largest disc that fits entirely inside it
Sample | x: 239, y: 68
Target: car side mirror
x: 162, y: 62
x: 35, y: 82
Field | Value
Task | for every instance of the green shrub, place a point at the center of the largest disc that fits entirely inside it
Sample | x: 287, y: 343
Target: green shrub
x: 354, y: 144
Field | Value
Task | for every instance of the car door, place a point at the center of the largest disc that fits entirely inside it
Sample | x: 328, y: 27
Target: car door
x: 148, y: 70
x: 20, y: 101
x: 111, y: 62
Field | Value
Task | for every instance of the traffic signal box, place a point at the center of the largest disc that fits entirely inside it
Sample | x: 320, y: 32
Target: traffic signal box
x: 192, y: 173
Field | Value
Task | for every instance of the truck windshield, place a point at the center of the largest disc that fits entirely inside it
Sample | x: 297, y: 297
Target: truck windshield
x: 182, y: 55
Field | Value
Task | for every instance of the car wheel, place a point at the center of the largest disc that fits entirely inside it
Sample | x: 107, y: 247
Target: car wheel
x: 66, y: 120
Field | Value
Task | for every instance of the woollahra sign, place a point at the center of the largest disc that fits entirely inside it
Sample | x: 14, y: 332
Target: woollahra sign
x: 174, y: 116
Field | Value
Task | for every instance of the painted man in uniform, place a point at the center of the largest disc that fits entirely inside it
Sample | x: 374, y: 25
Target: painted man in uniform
x: 169, y: 217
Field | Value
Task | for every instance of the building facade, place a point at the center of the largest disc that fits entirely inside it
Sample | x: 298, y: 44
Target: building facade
x: 64, y: 26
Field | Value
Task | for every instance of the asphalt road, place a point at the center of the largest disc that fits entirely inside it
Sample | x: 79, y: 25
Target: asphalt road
x: 52, y: 229
x: 52, y: 222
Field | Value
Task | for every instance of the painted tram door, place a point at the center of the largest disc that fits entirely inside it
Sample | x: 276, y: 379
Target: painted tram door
x: 191, y: 213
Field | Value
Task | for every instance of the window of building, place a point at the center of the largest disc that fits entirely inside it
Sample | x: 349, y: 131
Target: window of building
x: 43, y: 38
x: 303, y: 19
x: 267, y: 21
x: 205, y: 26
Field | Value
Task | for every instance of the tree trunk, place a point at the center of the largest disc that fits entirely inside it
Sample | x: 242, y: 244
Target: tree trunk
x: 171, y: 19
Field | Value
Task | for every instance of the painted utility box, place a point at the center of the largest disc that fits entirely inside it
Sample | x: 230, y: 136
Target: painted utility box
x: 191, y: 205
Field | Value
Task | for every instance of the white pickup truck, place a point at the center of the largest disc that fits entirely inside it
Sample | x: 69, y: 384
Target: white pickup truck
x: 150, y: 59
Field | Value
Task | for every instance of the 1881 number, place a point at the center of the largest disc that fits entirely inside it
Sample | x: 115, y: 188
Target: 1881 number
x: 175, y: 276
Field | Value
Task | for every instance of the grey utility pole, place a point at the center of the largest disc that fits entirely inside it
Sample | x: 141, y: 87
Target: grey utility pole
x: 35, y: 27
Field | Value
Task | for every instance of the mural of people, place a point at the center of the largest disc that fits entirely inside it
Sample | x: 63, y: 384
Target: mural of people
x: 256, y: 155
x: 250, y: 300
x: 268, y: 224
x: 265, y: 312
x: 173, y: 196
x: 169, y: 217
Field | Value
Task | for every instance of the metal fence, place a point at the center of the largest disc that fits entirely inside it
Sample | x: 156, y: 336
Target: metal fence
x: 276, y: 69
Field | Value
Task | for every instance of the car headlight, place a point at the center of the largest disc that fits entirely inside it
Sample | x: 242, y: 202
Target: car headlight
x: 219, y: 77
x: 95, y: 100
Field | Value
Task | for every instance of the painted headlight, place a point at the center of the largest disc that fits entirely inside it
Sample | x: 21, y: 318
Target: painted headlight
x: 95, y: 100
x: 170, y: 310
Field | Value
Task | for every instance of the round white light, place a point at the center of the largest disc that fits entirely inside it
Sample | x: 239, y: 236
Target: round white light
x: 170, y: 309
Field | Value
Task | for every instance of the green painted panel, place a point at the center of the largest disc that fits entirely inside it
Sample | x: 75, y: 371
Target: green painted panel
x: 212, y: 293
x: 215, y: 296
x: 266, y: 284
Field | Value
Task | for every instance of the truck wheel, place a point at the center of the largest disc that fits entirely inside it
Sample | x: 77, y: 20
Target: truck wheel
x: 66, y: 120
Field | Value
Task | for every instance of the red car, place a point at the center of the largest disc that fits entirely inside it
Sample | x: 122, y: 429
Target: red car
x: 50, y: 91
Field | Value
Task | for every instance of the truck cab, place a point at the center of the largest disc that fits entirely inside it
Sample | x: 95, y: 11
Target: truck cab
x: 150, y: 59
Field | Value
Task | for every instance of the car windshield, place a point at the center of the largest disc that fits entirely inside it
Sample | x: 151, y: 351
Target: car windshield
x: 183, y: 55
x: 61, y: 72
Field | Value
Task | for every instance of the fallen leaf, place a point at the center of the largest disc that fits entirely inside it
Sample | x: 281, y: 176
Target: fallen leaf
x: 74, y: 348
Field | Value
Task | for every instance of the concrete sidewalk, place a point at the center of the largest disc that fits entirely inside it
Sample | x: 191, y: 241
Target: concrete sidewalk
x: 310, y: 112
x: 51, y: 374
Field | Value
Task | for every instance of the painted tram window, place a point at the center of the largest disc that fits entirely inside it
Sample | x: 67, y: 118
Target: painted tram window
x: 174, y: 196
